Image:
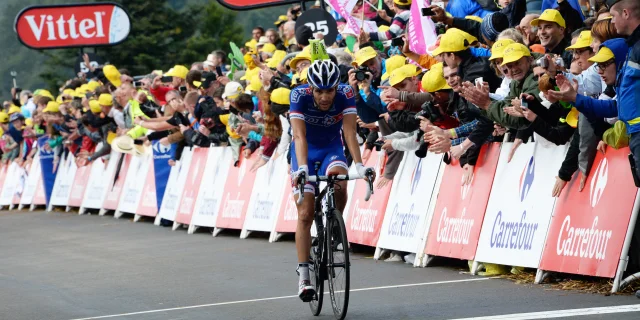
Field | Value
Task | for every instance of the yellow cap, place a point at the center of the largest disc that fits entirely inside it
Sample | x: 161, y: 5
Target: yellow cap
x: 4, y: 117
x: 471, y: 39
x: 584, y: 41
x: 277, y: 57
x: 251, y: 44
x: 112, y: 74
x: 604, y: 54
x: 281, y: 19
x: 105, y: 99
x: 303, y: 75
x: 178, y: 71
x: 250, y: 73
x: 95, y: 107
x: 43, y: 93
x: 433, y: 80
x: 255, y: 83
x: 497, y: 50
x: 452, y: 41
x: 303, y: 55
x: 572, y: 117
x: 550, y: 15
x: 197, y: 84
x: 402, y: 2
x: 93, y: 85
x: 474, y: 18
x: 14, y: 109
x: 281, y: 96
x: 393, y: 63
x: 268, y: 47
x: 363, y: 55
x: 383, y: 28
x: 28, y: 122
x: 515, y: 52
x: 404, y: 72
x: 52, y: 106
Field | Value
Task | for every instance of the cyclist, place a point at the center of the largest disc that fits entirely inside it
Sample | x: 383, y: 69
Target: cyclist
x: 319, y: 111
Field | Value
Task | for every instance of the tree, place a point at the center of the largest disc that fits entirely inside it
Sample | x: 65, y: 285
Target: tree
x: 160, y: 38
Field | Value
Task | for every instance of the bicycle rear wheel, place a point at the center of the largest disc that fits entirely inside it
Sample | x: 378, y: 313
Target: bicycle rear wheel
x: 338, y: 265
x: 315, y: 275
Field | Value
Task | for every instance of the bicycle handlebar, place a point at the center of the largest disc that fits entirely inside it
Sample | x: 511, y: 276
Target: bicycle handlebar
x: 340, y: 177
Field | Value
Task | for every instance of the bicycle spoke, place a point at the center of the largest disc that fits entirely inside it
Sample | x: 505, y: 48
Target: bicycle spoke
x: 338, y: 265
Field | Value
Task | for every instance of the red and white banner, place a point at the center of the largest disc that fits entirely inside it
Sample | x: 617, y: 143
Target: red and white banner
x: 64, y: 181
x: 10, y: 185
x: 79, y: 186
x: 365, y: 217
x: 459, y: 212
x: 192, y: 186
x: 148, y: 203
x: 34, y: 180
x: 100, y: 181
x: 175, y: 184
x: 132, y: 190
x: 287, y: 213
x: 421, y: 30
x: 237, y: 193
x: 72, y: 25
x: 520, y: 205
x: 267, y: 191
x: 210, y: 198
x: 407, y: 212
x: 116, y: 183
x: 588, y: 228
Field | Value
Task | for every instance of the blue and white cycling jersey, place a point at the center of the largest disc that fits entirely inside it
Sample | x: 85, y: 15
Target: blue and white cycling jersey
x: 322, y: 126
x: 324, y: 129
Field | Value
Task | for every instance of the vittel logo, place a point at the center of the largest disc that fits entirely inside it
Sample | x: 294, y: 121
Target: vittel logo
x: 599, y: 182
x: 526, y: 179
x: 78, y: 25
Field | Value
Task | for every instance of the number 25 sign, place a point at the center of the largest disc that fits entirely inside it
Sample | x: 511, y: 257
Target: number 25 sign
x: 321, y: 21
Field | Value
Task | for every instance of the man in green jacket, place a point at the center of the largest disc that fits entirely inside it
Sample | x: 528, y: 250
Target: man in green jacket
x: 519, y: 65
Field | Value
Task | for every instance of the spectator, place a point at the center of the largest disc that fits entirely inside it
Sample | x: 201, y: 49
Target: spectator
x: 256, y: 33
x: 551, y: 31
x: 159, y: 89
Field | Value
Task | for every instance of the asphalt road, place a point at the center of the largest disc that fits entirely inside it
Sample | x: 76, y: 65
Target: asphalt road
x: 65, y: 266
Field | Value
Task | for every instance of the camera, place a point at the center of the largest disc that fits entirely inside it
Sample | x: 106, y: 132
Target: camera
x: 166, y: 79
x: 544, y: 63
x: 378, y: 144
x: 397, y: 42
x: 361, y: 73
x: 441, y: 28
x: 429, y: 112
x: 427, y: 12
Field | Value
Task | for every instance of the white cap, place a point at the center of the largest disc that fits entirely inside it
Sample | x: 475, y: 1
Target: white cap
x: 209, y: 61
x: 232, y: 90
x: 263, y: 40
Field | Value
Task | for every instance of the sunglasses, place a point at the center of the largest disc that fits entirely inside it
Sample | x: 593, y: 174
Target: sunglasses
x: 603, y: 65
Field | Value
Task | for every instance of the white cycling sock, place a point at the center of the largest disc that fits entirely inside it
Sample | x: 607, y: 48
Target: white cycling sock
x: 303, y: 271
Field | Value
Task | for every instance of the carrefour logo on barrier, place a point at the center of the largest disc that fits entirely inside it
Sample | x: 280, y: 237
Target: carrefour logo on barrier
x: 415, y: 176
x: 161, y: 151
x: 526, y: 179
x: 45, y: 154
x: 599, y: 182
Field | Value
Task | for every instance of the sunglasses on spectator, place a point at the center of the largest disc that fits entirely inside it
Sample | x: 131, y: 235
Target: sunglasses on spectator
x: 603, y: 65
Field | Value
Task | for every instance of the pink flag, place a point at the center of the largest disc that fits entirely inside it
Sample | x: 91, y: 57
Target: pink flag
x: 421, y: 30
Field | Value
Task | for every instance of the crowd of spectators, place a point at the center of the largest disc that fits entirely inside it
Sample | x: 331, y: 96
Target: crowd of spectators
x: 547, y: 76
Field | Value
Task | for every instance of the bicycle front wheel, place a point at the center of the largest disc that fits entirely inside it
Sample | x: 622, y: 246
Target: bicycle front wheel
x: 338, y: 265
x: 316, y: 270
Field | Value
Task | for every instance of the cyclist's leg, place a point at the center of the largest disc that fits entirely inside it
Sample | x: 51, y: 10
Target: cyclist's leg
x: 303, y: 228
x: 336, y: 163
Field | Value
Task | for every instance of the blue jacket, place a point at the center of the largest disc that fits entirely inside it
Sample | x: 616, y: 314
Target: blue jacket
x: 370, y: 107
x: 463, y: 8
x: 627, y: 86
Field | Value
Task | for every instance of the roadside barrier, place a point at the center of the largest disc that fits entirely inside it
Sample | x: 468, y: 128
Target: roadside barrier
x: 505, y: 215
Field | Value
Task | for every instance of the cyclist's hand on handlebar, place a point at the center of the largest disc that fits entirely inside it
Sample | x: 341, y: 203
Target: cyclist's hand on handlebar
x: 299, y: 177
x: 364, y: 172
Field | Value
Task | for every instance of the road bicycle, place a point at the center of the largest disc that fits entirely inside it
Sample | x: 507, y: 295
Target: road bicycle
x: 330, y: 249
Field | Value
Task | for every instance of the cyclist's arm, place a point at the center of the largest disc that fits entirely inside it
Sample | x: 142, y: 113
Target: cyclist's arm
x: 350, y: 136
x: 300, y: 140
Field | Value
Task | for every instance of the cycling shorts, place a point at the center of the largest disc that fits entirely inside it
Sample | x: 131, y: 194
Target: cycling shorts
x: 330, y: 156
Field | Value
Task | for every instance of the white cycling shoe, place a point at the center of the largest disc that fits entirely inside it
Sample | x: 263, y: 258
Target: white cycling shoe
x: 306, y: 291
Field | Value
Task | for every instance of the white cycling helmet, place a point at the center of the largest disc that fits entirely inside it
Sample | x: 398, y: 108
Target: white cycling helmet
x: 323, y: 74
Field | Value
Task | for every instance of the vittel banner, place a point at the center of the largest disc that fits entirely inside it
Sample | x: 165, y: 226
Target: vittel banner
x: 72, y: 25
x: 457, y: 218
x: 520, y: 205
x: 588, y: 228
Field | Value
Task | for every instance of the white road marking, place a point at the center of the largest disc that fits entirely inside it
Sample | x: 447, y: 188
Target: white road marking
x: 561, y: 313
x: 279, y: 298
